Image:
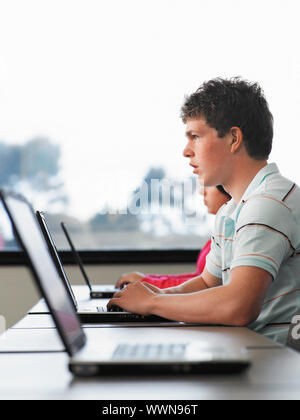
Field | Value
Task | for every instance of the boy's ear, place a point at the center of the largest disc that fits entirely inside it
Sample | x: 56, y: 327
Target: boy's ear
x: 236, y: 139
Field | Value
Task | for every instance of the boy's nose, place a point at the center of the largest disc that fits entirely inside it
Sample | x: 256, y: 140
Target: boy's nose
x: 187, y: 151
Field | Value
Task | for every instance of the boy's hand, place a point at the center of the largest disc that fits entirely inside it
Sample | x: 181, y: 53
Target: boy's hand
x: 127, y: 278
x: 135, y: 297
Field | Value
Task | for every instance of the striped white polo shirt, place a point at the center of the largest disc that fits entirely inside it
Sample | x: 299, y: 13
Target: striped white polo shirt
x: 263, y: 230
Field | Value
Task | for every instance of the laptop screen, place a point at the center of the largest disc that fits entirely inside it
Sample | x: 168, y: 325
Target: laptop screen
x: 54, y: 253
x: 31, y: 239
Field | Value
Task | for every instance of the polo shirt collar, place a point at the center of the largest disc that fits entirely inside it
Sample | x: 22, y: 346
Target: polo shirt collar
x: 269, y: 169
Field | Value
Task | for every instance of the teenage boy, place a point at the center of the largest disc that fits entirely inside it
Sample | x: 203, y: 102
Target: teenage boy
x: 252, y: 273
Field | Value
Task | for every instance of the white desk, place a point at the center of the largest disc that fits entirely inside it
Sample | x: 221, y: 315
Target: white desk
x: 274, y: 374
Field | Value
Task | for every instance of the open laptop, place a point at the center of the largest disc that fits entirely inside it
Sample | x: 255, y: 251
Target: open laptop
x: 89, y: 357
x: 102, y: 291
x: 90, y: 312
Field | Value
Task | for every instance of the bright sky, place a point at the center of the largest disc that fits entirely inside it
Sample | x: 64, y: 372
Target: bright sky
x: 106, y: 79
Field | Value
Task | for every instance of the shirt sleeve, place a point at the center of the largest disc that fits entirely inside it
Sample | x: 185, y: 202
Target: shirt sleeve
x: 201, y: 261
x: 167, y: 280
x: 263, y: 236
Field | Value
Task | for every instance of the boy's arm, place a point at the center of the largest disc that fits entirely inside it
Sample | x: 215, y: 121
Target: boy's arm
x: 237, y: 303
x: 201, y: 282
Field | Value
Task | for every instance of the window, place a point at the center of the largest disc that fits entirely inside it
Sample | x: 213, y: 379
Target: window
x: 90, y: 95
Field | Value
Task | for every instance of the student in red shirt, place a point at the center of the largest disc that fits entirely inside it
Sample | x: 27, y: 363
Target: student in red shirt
x: 214, y: 198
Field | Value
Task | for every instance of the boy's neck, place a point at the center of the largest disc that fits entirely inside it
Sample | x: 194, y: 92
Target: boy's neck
x: 242, y: 177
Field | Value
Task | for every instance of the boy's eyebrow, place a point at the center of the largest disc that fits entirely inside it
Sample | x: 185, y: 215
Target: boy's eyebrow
x: 189, y: 133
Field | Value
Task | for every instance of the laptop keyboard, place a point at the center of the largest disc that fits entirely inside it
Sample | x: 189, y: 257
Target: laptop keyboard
x: 101, y: 308
x: 149, y: 351
x: 112, y: 309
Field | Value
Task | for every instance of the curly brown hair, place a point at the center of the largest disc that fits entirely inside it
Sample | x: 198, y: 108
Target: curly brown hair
x: 227, y: 103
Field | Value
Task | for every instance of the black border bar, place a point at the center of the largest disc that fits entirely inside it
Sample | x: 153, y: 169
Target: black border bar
x: 94, y: 257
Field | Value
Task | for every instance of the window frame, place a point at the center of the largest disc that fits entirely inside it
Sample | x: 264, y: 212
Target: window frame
x: 107, y: 257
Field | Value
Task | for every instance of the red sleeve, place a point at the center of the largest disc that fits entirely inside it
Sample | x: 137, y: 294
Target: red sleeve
x: 168, y: 280
x: 202, y: 257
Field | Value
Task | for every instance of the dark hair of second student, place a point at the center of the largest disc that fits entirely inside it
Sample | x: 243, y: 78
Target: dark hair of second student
x: 227, y: 103
x: 221, y: 189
